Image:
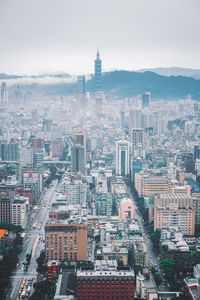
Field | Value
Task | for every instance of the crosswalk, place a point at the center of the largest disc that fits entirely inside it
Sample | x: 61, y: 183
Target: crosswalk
x: 27, y: 275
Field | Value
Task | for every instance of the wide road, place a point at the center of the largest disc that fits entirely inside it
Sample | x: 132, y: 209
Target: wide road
x: 32, y: 243
x: 153, y: 260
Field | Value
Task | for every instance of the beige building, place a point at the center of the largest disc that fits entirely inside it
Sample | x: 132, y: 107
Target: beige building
x: 186, y: 189
x: 184, y: 218
x: 141, y: 254
x: 164, y: 200
x: 148, y: 185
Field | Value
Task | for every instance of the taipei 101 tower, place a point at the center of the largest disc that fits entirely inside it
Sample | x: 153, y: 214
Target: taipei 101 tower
x: 97, y: 74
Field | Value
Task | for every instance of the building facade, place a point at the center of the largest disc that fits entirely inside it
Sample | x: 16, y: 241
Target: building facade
x: 122, y: 157
x: 20, y: 209
x: 78, y: 159
x: 65, y: 242
x: 183, y: 218
x: 105, y: 281
x: 127, y: 209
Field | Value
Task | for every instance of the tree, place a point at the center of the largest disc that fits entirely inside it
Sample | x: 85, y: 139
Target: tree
x: 41, y: 263
x: 11, y: 227
x: 157, y: 278
x: 155, y: 238
x: 42, y: 290
x: 168, y: 267
x: 138, y: 268
x: 7, y: 265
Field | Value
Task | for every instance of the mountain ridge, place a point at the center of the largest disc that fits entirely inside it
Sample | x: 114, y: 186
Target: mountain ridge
x: 116, y: 84
x: 174, y: 71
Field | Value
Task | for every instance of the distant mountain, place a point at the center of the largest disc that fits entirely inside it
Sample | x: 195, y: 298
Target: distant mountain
x: 174, y: 71
x: 127, y: 84
x: 116, y: 84
x: 4, y: 76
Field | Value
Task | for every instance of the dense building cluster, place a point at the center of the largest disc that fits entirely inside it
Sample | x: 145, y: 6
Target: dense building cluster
x: 119, y: 169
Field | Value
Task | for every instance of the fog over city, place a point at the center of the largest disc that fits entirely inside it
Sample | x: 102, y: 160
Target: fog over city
x: 51, y: 36
x: 100, y: 150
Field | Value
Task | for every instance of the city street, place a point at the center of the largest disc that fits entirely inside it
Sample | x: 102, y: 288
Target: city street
x: 33, y: 243
x: 153, y: 260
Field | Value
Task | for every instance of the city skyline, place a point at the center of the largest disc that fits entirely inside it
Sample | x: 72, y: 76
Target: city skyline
x: 46, y: 37
x: 99, y: 150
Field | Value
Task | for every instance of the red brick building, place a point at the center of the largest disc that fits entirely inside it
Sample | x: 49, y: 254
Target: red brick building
x: 105, y: 282
x: 37, y: 143
x: 52, y: 269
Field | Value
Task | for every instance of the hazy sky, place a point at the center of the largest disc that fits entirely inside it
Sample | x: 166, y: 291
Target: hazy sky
x: 38, y: 36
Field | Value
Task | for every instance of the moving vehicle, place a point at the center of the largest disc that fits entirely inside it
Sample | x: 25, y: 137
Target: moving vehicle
x: 23, y: 295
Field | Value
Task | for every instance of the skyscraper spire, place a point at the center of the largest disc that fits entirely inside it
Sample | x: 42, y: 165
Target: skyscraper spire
x: 97, y: 73
x: 98, y: 54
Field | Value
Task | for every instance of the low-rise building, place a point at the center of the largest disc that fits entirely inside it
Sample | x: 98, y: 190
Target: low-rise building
x: 145, y: 286
x: 52, y: 269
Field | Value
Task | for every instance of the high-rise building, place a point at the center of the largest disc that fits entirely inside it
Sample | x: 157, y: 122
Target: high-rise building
x: 122, y: 157
x: 183, y: 218
x: 80, y: 139
x: 57, y: 146
x: 197, y: 166
x: 146, y: 99
x: 98, y: 99
x: 81, y: 97
x: 5, y: 209
x: 20, y: 209
x: 38, y: 160
x: 26, y: 155
x: 135, y: 119
x: 75, y: 190
x: 38, y: 164
x: 3, y: 92
x: 137, y: 140
x: 46, y: 125
x: 196, y: 152
x: 149, y: 184
x: 66, y: 240
x: 32, y: 181
x: 97, y: 74
x: 164, y: 200
x: 78, y: 159
x: 105, y: 281
x: 136, y: 168
x: 10, y: 152
x: 37, y: 143
x: 18, y: 95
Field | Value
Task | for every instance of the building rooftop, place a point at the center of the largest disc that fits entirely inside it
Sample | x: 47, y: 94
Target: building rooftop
x: 173, y: 196
x: 105, y: 268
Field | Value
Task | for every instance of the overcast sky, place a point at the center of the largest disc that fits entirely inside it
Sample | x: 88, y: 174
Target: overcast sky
x: 38, y: 36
